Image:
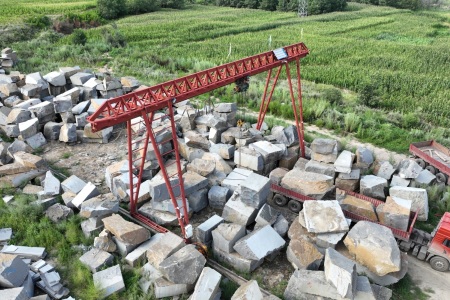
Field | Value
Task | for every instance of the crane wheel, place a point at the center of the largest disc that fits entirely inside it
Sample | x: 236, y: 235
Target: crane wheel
x: 441, y: 178
x: 295, y: 206
x: 439, y: 263
x: 421, y: 163
x: 280, y: 200
x: 431, y: 169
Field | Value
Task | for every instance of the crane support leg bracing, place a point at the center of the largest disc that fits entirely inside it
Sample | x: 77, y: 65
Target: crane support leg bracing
x: 143, y: 108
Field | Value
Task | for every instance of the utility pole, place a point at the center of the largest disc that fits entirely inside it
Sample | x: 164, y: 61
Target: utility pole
x: 302, y: 8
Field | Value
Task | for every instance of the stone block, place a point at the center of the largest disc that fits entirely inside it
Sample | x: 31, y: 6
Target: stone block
x: 58, y: 212
x: 16, y: 180
x: 126, y: 231
x: 310, y: 184
x: 139, y: 254
x: 320, y: 168
x: 225, y: 236
x: 383, y: 169
x: 52, y: 130
x: 62, y: 104
x: 158, y: 189
x: 99, y: 206
x: 52, y: 186
x: 363, y: 289
x: 218, y: 196
x: 235, y: 178
x: 165, y: 246
x: 105, y: 242
x: 81, y: 107
x: 36, y: 141
x: 248, y: 291
x: 123, y: 248
x: 149, y: 275
x: 255, y: 190
x: 204, y: 230
x: 68, y: 133
x: 374, y: 246
x: 202, y: 167
x: 165, y: 288
x: 277, y: 174
x: 341, y: 272
x: 225, y: 107
x: 324, y: 216
x: 160, y: 217
x: 281, y: 225
x: 418, y: 196
x: 269, y: 151
x: 13, y: 270
x: 95, y: 259
x: 373, y: 186
x: 303, y: 254
x: 357, y: 206
x: 236, y: 260
x: 260, y: 243
x: 80, y: 78
x: 267, y: 215
x: 102, y: 135
x: 166, y: 206
x: 395, y: 213
x: 207, y: 285
x: 36, y: 78
x: 425, y: 177
x: 236, y: 211
x: 184, y: 266
x: 115, y: 170
x: 389, y: 278
x: 18, y: 293
x: 109, y: 281
x: 18, y: 115
x: 89, y: 191
x: 91, y: 227
x: 398, y: 181
x: 73, y: 184
x: 193, y: 182
x: 5, y: 234
x: 248, y: 158
x: 14, y: 168
x: 381, y: 292
x: 409, y: 169
x: 226, y: 151
x: 307, y: 284
x: 324, y: 150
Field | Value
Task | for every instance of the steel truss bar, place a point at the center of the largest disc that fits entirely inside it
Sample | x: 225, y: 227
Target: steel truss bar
x: 265, y: 101
x: 121, y: 109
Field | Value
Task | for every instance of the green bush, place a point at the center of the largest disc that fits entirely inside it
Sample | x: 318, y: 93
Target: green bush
x: 172, y: 3
x: 410, y: 120
x: 111, y: 9
x: 78, y: 37
x: 142, y: 6
x: 334, y: 96
x: 40, y: 21
x: 369, y: 95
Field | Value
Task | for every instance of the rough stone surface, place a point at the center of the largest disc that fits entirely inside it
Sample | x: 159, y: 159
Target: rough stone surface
x: 207, y: 285
x: 109, y: 281
x: 73, y: 184
x: 95, y: 259
x: 68, y: 133
x: 381, y: 292
x: 29, y: 128
x: 184, y: 266
x: 58, y: 212
x: 398, y: 181
x: 324, y: 216
x: 277, y: 174
x: 235, y: 178
x: 149, y: 275
x: 236, y: 211
x: 226, y: 235
x: 364, y: 157
x: 373, y: 186
x: 218, y: 196
x: 248, y: 291
x: 383, y: 169
x: 89, y: 191
x: 165, y: 288
x: 52, y: 185
x: 320, y: 168
x: 99, y: 206
x: 418, y: 196
x: 126, y: 231
x: 204, y: 230
x: 281, y: 225
x: 374, y: 246
x: 307, y: 284
x: 389, y: 278
x: 359, y: 207
x: 267, y: 215
x: 201, y: 167
x: 165, y: 246
x: 324, y: 150
x: 395, y: 213
x: 425, y: 177
x: 309, y: 184
x: 341, y: 272
x: 52, y: 130
x: 226, y: 151
x: 303, y: 254
x: 409, y: 169
x: 254, y: 190
x: 364, y: 290
x: 105, y: 242
x: 260, y: 243
x: 344, y: 162
x: 247, y: 158
x: 198, y: 200
x: 138, y: 255
x: 236, y: 260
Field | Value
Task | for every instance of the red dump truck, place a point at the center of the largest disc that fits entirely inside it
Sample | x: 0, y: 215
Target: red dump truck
x: 434, y: 247
x: 434, y: 157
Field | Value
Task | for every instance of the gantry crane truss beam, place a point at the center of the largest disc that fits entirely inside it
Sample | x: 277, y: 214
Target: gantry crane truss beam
x: 143, y: 105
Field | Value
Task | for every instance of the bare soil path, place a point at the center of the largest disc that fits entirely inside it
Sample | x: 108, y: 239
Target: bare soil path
x: 435, y: 284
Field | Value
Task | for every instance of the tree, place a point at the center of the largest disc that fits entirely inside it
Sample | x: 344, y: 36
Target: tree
x: 172, y: 4
x: 111, y: 9
x: 268, y: 4
x: 316, y: 7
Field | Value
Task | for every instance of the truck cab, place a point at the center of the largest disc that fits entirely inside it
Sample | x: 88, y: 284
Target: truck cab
x: 439, y: 246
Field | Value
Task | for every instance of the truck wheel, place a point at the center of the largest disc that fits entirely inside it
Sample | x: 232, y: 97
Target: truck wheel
x: 280, y: 200
x: 431, y: 169
x: 439, y: 263
x: 421, y: 163
x: 441, y: 177
x: 295, y: 206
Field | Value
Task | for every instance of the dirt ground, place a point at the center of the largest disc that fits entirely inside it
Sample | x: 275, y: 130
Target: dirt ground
x: 435, y: 284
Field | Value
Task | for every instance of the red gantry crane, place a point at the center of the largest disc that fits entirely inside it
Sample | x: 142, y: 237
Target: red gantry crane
x: 144, y: 105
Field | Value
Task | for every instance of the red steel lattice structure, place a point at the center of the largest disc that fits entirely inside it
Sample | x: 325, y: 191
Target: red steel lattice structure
x: 144, y: 104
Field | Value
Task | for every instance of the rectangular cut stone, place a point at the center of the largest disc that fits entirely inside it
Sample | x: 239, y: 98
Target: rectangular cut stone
x: 207, y: 285
x: 193, y: 182
x: 204, y: 230
x: 324, y: 216
x: 109, y: 281
x: 18, y: 293
x: 235, y: 178
x: 226, y: 235
x: 14, y: 168
x: 148, y: 276
x: 13, y: 270
x: 158, y: 189
x: 418, y: 196
x: 248, y: 158
x: 237, y: 261
x: 34, y: 253
x: 5, y: 234
x: 126, y: 231
x: 260, y: 243
x: 165, y: 246
x: 344, y: 162
x: 341, y: 272
x: 307, y: 284
x: 269, y: 151
x: 137, y: 255
x: 255, y: 190
x: 165, y: 288
x: 95, y: 259
x: 320, y: 168
x: 238, y: 212
x: 123, y: 248
x: 307, y: 183
x: 89, y: 191
x: 73, y: 184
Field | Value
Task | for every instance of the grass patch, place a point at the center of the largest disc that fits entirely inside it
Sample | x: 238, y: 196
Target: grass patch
x: 66, y: 155
x: 228, y: 288
x: 406, y: 289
